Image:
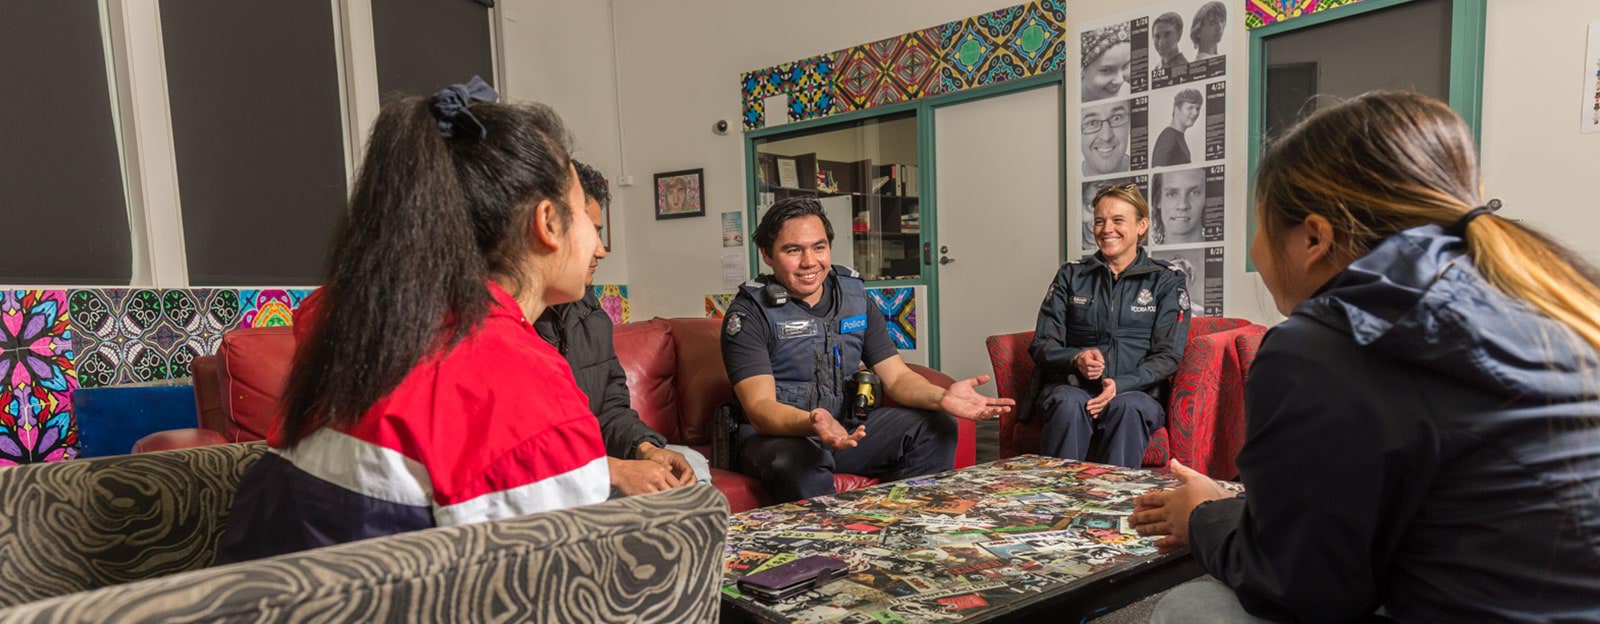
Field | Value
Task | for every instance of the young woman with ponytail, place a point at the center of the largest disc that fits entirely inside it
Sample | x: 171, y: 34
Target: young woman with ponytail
x: 1423, y: 432
x: 420, y: 393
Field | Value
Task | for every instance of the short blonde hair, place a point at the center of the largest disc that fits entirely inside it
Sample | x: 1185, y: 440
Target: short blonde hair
x: 1129, y: 193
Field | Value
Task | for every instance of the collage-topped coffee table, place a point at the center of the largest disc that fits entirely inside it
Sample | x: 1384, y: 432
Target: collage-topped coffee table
x: 1015, y: 540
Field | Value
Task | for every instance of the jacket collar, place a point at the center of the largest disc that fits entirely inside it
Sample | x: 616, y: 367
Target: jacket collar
x: 1141, y: 264
x: 1416, y: 296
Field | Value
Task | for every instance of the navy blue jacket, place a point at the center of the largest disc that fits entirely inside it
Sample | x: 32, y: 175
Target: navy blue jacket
x: 1139, y: 320
x: 1418, y: 441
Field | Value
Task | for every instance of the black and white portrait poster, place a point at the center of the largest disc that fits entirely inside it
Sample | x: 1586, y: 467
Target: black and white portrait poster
x: 1202, y: 269
x: 1152, y: 109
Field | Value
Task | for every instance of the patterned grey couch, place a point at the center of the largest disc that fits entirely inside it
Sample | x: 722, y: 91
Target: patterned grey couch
x: 131, y: 539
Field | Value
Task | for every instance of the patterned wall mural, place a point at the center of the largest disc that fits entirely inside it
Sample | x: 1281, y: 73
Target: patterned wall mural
x: 53, y: 342
x: 717, y: 305
x: 1258, y: 13
x: 1011, y: 43
x: 614, y: 300
x: 899, y: 307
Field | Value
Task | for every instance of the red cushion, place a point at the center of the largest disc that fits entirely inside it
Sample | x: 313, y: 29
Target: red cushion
x: 648, y: 356
x: 702, y: 380
x: 743, y: 493
x: 254, y: 364
x: 846, y: 482
x: 208, y: 393
x: 1202, y: 418
x: 178, y: 439
x: 1013, y: 371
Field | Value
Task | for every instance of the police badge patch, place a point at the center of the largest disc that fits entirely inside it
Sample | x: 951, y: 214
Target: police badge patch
x: 1183, y: 299
x: 1145, y: 298
x: 734, y: 324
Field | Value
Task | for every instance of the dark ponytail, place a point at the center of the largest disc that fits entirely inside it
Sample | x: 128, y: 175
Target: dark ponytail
x: 430, y: 221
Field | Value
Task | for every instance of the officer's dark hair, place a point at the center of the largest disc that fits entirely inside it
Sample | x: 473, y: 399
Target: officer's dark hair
x: 786, y: 209
x: 594, y: 184
x: 430, y: 221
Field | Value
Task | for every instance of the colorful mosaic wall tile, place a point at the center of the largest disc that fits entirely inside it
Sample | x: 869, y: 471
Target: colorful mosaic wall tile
x: 717, y: 305
x: 1260, y: 13
x: 808, y: 83
x: 1016, y: 42
x: 899, y: 307
x: 270, y: 308
x: 139, y: 335
x: 36, y: 378
x: 614, y: 300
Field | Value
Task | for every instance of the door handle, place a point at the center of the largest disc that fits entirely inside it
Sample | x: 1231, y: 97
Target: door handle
x: 946, y: 260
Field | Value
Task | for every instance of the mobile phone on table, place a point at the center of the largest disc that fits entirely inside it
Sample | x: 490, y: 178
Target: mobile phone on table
x: 792, y: 578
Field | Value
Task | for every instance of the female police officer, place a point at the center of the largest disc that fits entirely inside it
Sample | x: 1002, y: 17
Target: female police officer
x: 1110, y: 333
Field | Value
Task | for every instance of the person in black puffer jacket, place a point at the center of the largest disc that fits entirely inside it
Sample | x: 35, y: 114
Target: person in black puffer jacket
x: 1423, y: 432
x: 640, y: 459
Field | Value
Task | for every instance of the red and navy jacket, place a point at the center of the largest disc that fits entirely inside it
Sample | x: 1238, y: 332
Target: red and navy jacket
x: 492, y: 427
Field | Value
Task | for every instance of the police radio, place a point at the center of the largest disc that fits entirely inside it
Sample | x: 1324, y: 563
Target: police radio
x: 774, y: 294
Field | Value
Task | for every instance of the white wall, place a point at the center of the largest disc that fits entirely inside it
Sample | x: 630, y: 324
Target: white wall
x: 559, y: 52
x: 1244, y: 296
x: 1534, y: 157
x: 680, y: 64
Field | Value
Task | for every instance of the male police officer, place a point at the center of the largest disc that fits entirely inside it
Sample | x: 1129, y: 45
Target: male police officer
x: 791, y: 342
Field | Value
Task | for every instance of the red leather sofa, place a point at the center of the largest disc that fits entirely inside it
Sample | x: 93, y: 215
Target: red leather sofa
x: 675, y: 377
x: 1205, y: 410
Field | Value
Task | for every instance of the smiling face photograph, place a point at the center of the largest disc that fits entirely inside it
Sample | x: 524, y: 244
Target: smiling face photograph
x: 1105, y: 137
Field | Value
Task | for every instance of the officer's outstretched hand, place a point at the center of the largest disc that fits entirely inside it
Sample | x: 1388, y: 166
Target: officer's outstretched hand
x: 962, y: 400
x: 832, y: 433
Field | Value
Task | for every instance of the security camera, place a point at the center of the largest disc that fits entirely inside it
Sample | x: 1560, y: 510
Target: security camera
x: 721, y: 127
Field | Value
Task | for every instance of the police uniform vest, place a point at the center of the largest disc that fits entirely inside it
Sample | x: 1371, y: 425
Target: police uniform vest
x: 813, y: 357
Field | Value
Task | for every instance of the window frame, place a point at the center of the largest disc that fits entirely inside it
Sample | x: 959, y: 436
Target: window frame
x: 141, y: 110
x: 1467, y: 29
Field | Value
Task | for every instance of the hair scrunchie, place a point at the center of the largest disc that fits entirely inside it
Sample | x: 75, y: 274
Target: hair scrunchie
x: 1459, y: 228
x: 450, y: 107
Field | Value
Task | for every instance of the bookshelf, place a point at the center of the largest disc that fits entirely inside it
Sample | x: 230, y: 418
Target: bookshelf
x: 885, y: 213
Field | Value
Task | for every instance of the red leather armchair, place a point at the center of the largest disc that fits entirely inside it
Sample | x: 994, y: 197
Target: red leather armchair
x: 1205, y: 410
x: 236, y: 391
x: 675, y: 377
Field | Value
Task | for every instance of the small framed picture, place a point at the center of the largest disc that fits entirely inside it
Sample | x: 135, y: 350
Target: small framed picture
x: 605, y: 226
x: 680, y: 194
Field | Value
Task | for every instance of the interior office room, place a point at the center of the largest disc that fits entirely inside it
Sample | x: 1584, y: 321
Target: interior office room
x: 746, y: 310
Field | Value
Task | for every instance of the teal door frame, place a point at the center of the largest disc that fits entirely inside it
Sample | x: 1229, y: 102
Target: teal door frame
x: 1467, y: 28
x: 927, y: 189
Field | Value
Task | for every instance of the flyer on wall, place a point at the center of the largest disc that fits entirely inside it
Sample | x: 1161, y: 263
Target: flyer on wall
x: 1152, y: 110
x: 1589, y: 104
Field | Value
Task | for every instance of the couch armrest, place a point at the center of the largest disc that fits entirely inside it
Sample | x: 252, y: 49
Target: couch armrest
x: 1205, y: 414
x: 178, y: 439
x: 967, y: 438
x: 109, y: 521
x: 654, y: 558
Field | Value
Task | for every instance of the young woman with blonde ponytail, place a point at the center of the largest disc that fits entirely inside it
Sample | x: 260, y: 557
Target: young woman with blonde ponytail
x: 1423, y: 435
